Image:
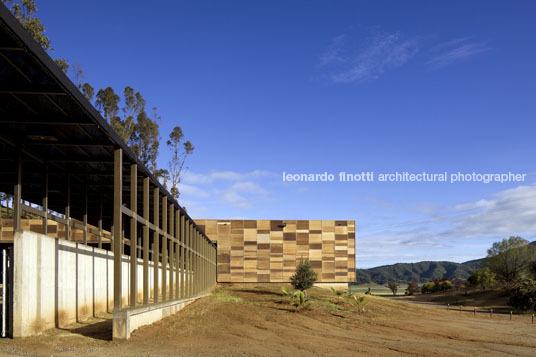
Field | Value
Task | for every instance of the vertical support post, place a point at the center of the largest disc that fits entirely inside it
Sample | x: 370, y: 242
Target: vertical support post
x: 4, y: 285
x: 177, y: 249
x: 118, y: 225
x: 146, y: 241
x: 164, y: 247
x: 112, y: 240
x: 68, y: 209
x: 206, y: 265
x: 171, y: 250
x: 17, y: 193
x: 100, y: 223
x: 84, y: 219
x: 192, y: 258
x: 203, y: 262
x: 133, y: 235
x: 187, y: 259
x: 183, y: 252
x: 45, y: 202
x: 156, y: 243
x: 197, y: 262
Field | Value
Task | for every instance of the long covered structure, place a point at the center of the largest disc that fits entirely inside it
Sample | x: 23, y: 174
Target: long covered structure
x: 62, y: 162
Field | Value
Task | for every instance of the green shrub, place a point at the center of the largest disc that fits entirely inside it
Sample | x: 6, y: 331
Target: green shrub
x: 304, y: 277
x: 428, y: 288
x: 445, y: 285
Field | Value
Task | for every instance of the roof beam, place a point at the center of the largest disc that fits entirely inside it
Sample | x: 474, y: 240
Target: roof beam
x: 50, y: 121
x: 11, y: 49
x: 30, y: 92
x: 67, y: 143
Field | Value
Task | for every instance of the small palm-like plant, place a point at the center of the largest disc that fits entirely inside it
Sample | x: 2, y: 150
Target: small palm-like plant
x: 337, y: 292
x: 300, y: 301
x: 286, y: 292
x: 359, y: 303
x: 296, y: 298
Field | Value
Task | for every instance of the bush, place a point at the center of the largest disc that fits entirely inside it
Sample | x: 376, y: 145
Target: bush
x: 304, y: 277
x: 413, y: 288
x: 428, y: 287
x: 445, y: 285
x: 524, y: 296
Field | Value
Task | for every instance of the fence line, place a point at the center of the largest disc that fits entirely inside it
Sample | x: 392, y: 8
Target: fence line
x: 490, y: 311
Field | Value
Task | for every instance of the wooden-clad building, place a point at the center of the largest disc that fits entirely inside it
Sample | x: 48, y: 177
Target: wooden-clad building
x: 251, y: 251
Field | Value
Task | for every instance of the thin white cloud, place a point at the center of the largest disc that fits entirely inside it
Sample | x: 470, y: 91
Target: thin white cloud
x: 342, y: 63
x: 242, y: 195
x: 443, y: 235
x: 510, y: 212
x: 196, y: 178
x: 235, y: 189
x: 192, y: 191
x: 456, y: 51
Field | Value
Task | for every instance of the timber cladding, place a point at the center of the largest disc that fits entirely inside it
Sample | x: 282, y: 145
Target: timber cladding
x: 251, y: 251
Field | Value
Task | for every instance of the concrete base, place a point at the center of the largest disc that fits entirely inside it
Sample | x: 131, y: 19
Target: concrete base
x: 338, y: 286
x: 129, y: 319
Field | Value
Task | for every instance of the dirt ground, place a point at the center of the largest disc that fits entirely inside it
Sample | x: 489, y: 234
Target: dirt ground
x: 258, y: 321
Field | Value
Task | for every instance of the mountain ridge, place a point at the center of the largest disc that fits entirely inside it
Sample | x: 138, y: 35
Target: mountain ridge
x: 422, y: 271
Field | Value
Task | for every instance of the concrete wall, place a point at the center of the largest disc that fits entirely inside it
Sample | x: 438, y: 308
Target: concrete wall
x: 57, y: 283
x: 127, y: 320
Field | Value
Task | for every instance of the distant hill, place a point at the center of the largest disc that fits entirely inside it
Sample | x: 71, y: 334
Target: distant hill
x: 421, y: 271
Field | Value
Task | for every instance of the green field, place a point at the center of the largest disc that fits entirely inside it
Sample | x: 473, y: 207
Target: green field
x: 377, y: 289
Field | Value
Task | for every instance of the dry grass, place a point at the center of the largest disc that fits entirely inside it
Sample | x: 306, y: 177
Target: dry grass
x: 251, y: 320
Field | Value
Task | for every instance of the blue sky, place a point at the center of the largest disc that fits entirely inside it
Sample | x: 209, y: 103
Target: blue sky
x: 262, y: 88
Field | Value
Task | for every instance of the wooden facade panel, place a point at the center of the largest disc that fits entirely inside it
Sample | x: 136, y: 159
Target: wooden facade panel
x: 268, y: 251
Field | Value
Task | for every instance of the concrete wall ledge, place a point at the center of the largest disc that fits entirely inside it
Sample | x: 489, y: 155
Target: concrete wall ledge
x: 129, y: 319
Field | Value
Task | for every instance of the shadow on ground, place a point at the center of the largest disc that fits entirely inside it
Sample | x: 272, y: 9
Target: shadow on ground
x: 97, y: 330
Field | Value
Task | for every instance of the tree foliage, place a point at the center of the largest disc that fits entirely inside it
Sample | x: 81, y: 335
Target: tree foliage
x: 524, y: 296
x: 179, y: 152
x: 107, y: 102
x: 445, y: 285
x: 428, y: 288
x: 413, y: 288
x: 437, y: 285
x: 509, y: 260
x: 63, y: 64
x: 25, y: 11
x: 145, y: 139
x: 393, y: 286
x: 483, y: 278
x: 304, y: 277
